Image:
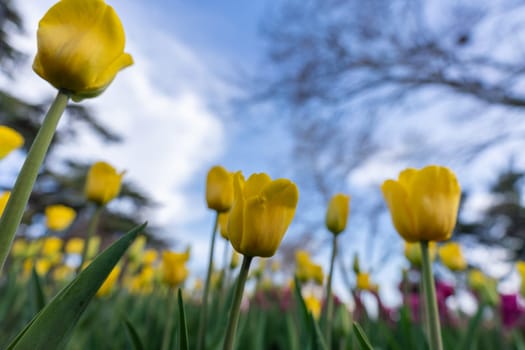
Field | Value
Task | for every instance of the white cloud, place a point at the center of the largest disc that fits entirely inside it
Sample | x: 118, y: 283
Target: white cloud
x: 159, y: 106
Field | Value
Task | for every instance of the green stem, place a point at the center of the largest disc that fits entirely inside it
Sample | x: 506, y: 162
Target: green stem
x: 169, y: 322
x: 92, y: 228
x: 26, y: 178
x: 225, y: 268
x: 203, y: 319
x: 236, y: 304
x: 329, y: 300
x: 432, y: 318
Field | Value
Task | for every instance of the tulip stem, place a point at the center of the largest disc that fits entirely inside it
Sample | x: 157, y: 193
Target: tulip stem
x: 236, y: 304
x: 432, y: 316
x: 203, y: 319
x: 92, y: 228
x: 166, y: 339
x: 25, y: 181
x: 329, y: 300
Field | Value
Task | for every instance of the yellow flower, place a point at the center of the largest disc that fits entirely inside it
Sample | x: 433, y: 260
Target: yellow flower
x: 93, y: 246
x: 313, y: 305
x: 261, y: 213
x: 4, y: 197
x: 19, y: 248
x: 306, y: 269
x: 219, y: 189
x: 337, y: 213
x: 364, y: 283
x: 452, y: 257
x: 42, y: 266
x: 520, y: 267
x: 10, y: 140
x: 110, y: 282
x: 62, y: 273
x: 59, y: 217
x: 223, y: 224
x: 51, y: 246
x: 136, y: 249
x: 149, y: 257
x: 102, y: 183
x: 413, y: 252
x: 423, y: 203
x: 476, y: 279
x: 174, y: 270
x: 80, y: 47
x: 75, y: 245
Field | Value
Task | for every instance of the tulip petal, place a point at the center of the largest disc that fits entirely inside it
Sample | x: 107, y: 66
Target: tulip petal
x: 434, y: 198
x: 236, y: 217
x: 255, y: 184
x: 396, y: 198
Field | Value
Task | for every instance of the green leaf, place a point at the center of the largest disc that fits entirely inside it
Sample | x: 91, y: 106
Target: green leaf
x: 362, y: 338
x: 183, y: 329
x: 319, y: 338
x: 52, y: 326
x: 38, y: 297
x: 133, y: 336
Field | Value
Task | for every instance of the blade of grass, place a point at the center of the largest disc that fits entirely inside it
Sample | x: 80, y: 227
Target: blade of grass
x: 133, y: 336
x: 38, y: 297
x: 52, y: 326
x: 469, y: 339
x: 183, y: 329
x: 361, y: 337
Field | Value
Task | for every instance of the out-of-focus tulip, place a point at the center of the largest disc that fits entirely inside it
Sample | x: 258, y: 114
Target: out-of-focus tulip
x: 262, y: 211
x: 51, y: 246
x: 4, y: 197
x: 174, y: 271
x: 413, y: 252
x: 93, y: 246
x: 423, y: 203
x: 110, y: 282
x: 10, y: 140
x: 223, y: 224
x: 19, y: 248
x: 59, y: 217
x: 75, y: 245
x: 102, y: 183
x: 337, y: 213
x: 149, y: 257
x: 80, y: 47
x: 313, y: 305
x: 307, y: 270
x: 364, y: 283
x: 452, y: 257
x: 219, y: 189
x: 42, y: 266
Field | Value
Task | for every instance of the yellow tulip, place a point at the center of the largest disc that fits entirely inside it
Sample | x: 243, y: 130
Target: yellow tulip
x: 337, y: 213
x: 80, y: 47
x: 10, y: 140
x: 110, y: 282
x: 423, y: 203
x: 102, y: 183
x: 261, y: 213
x: 452, y: 257
x: 313, y: 305
x: 19, y: 248
x: 42, y: 266
x: 364, y: 283
x: 476, y: 279
x: 174, y: 270
x: 75, y: 245
x: 51, y: 246
x: 306, y: 269
x: 223, y: 224
x: 413, y: 252
x: 520, y: 267
x: 4, y: 197
x: 93, y: 246
x: 219, y: 189
x: 59, y: 217
x: 149, y: 257
x: 62, y: 273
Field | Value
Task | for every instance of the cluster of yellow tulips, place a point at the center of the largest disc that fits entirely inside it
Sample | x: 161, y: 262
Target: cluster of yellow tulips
x: 80, y: 51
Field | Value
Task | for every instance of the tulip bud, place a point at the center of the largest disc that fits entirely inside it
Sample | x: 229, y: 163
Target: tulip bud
x: 59, y: 217
x: 4, y: 197
x: 219, y: 189
x: 80, y: 47
x: 337, y: 213
x: 174, y: 270
x: 452, y: 257
x: 10, y: 140
x: 102, y: 183
x: 423, y: 203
